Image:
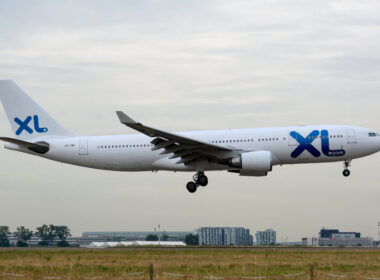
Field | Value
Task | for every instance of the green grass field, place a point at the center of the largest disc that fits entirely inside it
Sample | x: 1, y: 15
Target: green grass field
x: 195, y: 263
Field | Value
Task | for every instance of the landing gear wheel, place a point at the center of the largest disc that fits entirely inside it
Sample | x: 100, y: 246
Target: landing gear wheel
x: 346, y: 173
x: 202, y: 180
x: 191, y: 187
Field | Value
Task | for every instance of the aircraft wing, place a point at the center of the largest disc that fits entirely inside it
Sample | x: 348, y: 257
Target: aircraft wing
x: 186, y: 149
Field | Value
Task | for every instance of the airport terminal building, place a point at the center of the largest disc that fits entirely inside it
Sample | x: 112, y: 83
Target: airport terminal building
x: 333, y: 237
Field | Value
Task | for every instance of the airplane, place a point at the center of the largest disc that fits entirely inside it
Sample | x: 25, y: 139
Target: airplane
x: 247, y: 152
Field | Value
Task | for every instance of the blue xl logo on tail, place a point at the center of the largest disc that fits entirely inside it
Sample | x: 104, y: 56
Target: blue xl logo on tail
x: 305, y: 144
x: 23, y: 125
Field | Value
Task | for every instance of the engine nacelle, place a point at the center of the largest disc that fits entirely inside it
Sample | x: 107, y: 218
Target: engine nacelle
x: 257, y: 163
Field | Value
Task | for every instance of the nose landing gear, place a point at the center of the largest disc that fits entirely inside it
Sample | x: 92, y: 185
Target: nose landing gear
x: 200, y: 179
x: 346, y: 172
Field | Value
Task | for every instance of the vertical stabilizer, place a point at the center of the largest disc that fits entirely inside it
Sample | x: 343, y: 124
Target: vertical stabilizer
x: 28, y: 120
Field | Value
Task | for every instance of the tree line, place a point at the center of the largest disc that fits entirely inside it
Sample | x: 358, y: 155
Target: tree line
x: 47, y: 234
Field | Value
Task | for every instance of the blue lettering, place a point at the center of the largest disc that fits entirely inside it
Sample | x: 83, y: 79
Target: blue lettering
x: 37, y: 126
x: 326, y: 146
x: 305, y: 144
x: 23, y: 125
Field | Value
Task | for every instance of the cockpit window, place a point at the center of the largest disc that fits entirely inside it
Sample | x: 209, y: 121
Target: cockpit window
x: 373, y: 134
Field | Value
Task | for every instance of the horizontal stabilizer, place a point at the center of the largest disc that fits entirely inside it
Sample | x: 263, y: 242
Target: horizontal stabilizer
x: 39, y: 147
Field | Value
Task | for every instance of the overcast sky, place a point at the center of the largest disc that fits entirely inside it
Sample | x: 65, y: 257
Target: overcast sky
x: 184, y: 65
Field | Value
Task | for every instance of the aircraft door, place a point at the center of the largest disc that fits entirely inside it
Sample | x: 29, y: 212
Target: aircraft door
x: 83, y: 147
x: 351, y: 137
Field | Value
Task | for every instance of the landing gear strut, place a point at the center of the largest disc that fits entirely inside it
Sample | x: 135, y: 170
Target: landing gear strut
x: 200, y: 179
x: 346, y: 172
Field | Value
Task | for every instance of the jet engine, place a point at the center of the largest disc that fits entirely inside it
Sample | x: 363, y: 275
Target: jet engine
x: 257, y: 163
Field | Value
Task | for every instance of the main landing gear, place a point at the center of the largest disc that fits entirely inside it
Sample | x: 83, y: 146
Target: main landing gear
x: 200, y: 179
x: 347, y: 164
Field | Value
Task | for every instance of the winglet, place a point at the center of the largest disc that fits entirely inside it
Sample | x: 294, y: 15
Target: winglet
x: 124, y: 118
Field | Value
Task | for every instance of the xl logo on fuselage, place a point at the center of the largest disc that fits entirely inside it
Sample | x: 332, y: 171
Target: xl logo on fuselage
x: 24, y: 125
x: 305, y: 144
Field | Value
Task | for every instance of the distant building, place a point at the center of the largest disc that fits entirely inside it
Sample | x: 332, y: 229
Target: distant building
x: 329, y: 233
x: 12, y: 239
x: 224, y: 236
x: 35, y: 240
x: 101, y: 236
x: 310, y: 241
x: 108, y: 236
x: 267, y: 237
x: 333, y: 237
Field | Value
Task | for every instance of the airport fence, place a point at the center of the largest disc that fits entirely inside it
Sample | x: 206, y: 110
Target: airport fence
x: 151, y: 274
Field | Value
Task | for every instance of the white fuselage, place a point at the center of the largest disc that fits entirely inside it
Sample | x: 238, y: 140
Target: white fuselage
x: 133, y: 152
